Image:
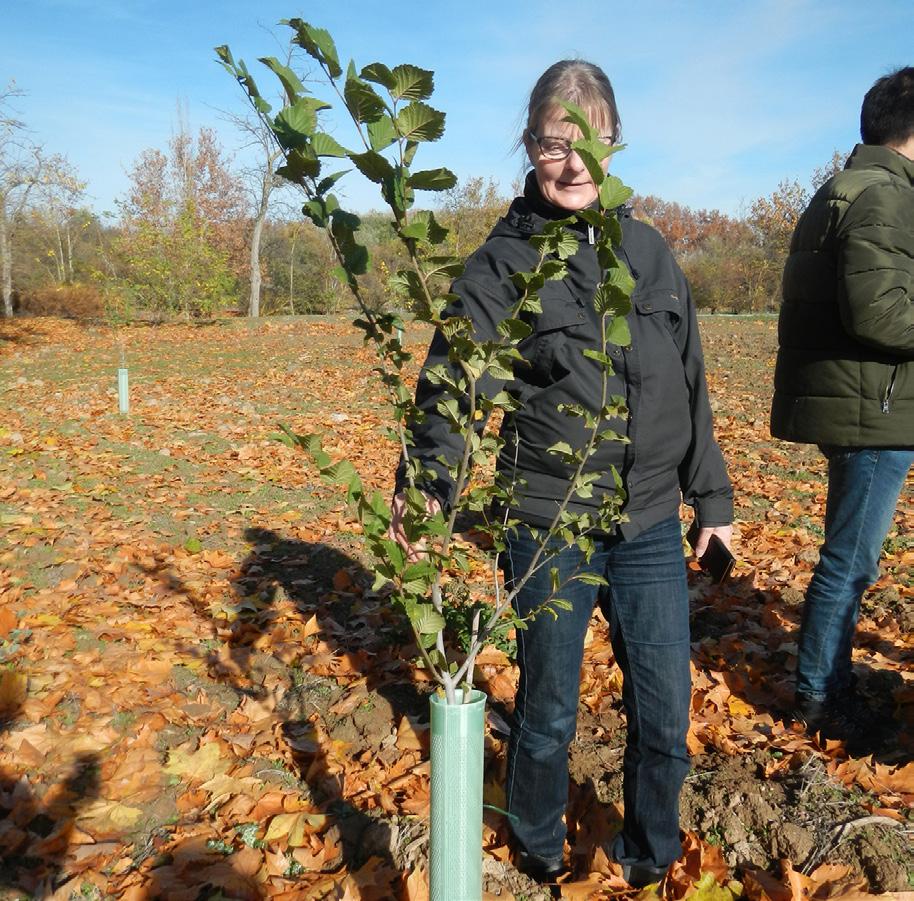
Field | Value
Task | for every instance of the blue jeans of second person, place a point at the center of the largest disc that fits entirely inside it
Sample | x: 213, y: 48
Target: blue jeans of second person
x: 646, y: 606
x: 863, y: 489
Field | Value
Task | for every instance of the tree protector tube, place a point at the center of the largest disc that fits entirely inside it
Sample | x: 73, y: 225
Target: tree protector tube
x: 456, y: 798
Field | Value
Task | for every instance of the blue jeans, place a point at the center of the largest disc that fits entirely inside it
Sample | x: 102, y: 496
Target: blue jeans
x: 863, y: 489
x: 646, y: 606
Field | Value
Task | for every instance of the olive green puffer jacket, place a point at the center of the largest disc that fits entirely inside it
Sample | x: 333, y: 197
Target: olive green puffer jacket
x: 845, y: 367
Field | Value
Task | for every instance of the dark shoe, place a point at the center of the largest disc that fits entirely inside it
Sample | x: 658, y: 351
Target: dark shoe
x: 545, y: 872
x: 638, y: 875
x: 845, y: 717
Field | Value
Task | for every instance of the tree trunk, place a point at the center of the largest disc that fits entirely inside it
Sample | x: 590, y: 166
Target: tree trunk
x: 69, y: 254
x: 60, y: 259
x: 6, y: 263
x: 292, y: 270
x: 266, y: 188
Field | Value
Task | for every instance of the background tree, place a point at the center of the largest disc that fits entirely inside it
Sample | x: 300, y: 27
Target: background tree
x: 469, y: 210
x: 25, y: 171
x: 261, y: 181
x: 297, y: 261
x: 182, y: 241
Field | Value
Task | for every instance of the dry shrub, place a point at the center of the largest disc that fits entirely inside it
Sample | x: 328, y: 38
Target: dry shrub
x: 68, y: 301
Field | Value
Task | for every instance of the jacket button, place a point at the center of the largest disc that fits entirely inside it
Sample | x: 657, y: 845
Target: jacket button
x: 648, y: 307
x: 581, y: 316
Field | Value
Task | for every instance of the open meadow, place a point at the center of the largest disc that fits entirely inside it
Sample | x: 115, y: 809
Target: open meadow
x: 202, y: 697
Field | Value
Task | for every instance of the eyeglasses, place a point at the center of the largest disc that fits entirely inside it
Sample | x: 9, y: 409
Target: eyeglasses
x: 558, y: 148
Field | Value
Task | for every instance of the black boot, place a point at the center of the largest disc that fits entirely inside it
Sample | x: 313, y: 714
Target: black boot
x: 846, y: 717
x: 545, y: 872
x: 638, y: 875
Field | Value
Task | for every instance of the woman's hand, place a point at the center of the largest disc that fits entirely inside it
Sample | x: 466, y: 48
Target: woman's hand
x: 724, y: 533
x: 398, y: 506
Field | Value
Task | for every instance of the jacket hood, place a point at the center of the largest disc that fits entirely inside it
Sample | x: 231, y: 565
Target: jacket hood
x: 877, y: 156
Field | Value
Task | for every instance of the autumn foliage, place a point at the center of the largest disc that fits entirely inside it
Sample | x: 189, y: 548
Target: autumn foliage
x: 201, y: 694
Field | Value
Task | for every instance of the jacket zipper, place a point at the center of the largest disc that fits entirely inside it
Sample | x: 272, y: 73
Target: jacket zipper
x: 590, y: 238
x: 888, y: 391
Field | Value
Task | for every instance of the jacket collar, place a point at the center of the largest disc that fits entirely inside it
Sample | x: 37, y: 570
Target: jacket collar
x: 530, y: 212
x: 877, y: 156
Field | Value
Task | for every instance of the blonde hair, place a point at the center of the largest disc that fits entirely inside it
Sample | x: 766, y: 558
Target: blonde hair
x: 579, y: 82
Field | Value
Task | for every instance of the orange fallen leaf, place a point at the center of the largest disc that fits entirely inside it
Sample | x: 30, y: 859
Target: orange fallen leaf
x: 14, y: 688
x: 7, y: 621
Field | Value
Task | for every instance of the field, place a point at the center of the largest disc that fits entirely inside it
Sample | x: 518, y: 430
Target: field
x: 201, y: 697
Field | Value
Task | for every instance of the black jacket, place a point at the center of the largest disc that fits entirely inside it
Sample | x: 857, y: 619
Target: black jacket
x: 661, y: 375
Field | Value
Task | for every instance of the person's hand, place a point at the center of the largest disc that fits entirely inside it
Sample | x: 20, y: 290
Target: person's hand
x: 398, y: 507
x: 724, y: 533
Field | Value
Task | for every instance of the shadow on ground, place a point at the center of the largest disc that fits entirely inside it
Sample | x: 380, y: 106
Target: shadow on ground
x: 37, y: 822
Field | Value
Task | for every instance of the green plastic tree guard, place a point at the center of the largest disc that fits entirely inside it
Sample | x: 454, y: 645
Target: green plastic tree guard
x: 123, y: 391
x: 456, y: 832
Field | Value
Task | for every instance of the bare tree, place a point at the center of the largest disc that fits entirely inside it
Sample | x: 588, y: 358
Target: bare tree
x: 25, y: 171
x: 261, y: 181
x: 261, y: 177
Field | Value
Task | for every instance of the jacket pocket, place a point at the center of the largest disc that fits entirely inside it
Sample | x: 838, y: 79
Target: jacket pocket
x: 889, y: 390
x: 663, y: 305
x: 561, y: 314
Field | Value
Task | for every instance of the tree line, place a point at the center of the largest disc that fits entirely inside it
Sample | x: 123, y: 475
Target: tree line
x: 196, y: 235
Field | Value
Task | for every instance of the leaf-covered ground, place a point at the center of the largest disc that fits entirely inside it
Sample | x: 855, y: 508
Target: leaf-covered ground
x: 200, y: 697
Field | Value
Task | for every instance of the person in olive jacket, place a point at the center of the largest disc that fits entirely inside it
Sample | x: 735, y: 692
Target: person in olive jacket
x: 844, y: 380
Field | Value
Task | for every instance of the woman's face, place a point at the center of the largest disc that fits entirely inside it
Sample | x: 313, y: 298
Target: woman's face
x: 565, y: 183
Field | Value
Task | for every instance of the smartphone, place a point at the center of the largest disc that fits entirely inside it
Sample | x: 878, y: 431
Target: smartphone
x: 717, y: 560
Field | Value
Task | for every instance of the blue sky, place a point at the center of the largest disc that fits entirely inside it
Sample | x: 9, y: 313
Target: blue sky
x: 719, y: 100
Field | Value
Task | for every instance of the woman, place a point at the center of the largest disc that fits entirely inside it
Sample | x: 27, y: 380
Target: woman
x: 671, y: 455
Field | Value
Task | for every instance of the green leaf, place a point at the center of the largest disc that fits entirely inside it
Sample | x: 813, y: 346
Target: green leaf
x: 597, y: 355
x: 243, y: 77
x: 316, y: 212
x: 614, y: 231
x: 592, y: 217
x: 432, y: 180
x: 397, y: 192
x: 576, y: 116
x: 613, y: 193
x: 417, y: 578
x: 442, y: 267
x: 323, y: 145
x: 566, y: 245
x: 326, y: 183
x: 379, y: 74
x: 420, y: 122
x: 591, y: 160
x: 373, y: 166
x: 611, y: 300
x: 619, y: 333
x: 317, y: 43
x: 412, y: 83
x: 340, y: 473
x: 381, y: 133
x: 590, y: 579
x: 424, y: 227
x: 361, y: 99
x: 294, y: 125
x: 561, y: 447
x: 514, y: 330
x: 193, y: 545
x: 621, y: 278
x: 613, y: 435
x: 290, y: 81
x: 299, y: 165
x: 553, y: 269
x: 417, y: 230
